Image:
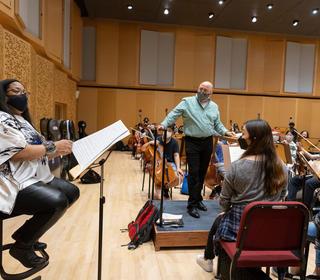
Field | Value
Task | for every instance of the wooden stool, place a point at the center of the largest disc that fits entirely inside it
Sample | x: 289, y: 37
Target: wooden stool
x: 22, y: 275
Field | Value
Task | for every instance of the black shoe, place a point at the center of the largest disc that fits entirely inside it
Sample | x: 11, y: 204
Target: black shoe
x: 213, y: 194
x: 166, y: 193
x: 201, y: 206
x: 193, y: 212
x: 26, y: 256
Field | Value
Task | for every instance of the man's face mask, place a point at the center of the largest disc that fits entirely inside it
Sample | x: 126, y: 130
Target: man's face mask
x: 203, y: 96
x: 19, y: 102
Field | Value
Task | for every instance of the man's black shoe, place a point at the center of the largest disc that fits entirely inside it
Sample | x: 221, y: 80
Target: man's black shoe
x: 193, y: 212
x: 201, y: 206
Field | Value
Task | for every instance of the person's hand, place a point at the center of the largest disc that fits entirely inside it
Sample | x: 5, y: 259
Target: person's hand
x: 161, y: 127
x: 151, y: 126
x: 63, y: 147
x: 230, y: 134
x: 180, y: 172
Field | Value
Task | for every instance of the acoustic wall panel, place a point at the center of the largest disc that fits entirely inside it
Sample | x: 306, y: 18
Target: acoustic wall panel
x: 156, y: 58
x: 307, y: 61
x: 66, y: 33
x: 238, y: 63
x: 165, y: 58
x: 299, y: 72
x: 89, y: 53
x: 149, y: 57
x: 231, y: 63
x: 292, y: 71
x: 29, y: 11
x: 223, y: 62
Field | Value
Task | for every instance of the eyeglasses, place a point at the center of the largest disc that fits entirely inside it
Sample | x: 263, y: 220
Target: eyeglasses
x: 18, y: 92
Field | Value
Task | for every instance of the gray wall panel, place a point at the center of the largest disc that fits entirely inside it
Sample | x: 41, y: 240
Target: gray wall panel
x: 89, y: 53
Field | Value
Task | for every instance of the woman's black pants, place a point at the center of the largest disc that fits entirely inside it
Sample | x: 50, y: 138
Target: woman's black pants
x: 46, y: 203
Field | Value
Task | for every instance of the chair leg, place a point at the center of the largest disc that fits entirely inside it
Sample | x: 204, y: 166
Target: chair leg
x: 281, y: 272
x: 218, y: 273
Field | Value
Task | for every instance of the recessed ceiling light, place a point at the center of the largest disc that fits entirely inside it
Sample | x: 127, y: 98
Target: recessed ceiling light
x: 295, y: 23
x: 166, y: 11
x: 221, y: 2
x: 211, y: 15
x: 130, y: 7
x: 269, y: 6
x: 254, y: 19
x: 315, y: 11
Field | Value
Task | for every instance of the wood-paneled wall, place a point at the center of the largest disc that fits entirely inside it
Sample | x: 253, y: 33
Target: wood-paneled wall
x: 117, y: 52
x: 38, y: 62
x: 50, y: 43
x: 118, y: 46
x: 46, y: 83
x: 100, y: 107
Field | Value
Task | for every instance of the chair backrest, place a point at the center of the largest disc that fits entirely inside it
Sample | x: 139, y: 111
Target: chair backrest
x: 273, y: 226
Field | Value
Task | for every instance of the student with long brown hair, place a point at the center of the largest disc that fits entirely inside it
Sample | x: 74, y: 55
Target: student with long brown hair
x: 259, y: 175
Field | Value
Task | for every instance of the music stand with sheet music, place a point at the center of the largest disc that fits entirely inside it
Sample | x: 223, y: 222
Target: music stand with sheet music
x: 89, y: 149
x: 283, y: 151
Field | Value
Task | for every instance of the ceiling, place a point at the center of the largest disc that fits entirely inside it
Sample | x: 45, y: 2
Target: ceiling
x: 232, y: 14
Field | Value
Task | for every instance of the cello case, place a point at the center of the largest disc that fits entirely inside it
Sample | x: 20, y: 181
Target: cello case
x: 67, y: 131
x: 54, y: 133
x: 44, y: 122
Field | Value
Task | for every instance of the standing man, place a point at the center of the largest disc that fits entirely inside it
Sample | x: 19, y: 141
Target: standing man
x: 201, y: 120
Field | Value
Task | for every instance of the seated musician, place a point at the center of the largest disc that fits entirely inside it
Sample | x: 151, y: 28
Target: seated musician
x: 172, y: 157
x: 289, y: 139
x: 259, y: 175
x: 305, y: 133
x: 27, y: 185
x: 311, y: 183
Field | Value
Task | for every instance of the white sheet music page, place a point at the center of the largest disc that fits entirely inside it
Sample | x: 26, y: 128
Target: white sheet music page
x: 89, y: 148
x: 235, y: 153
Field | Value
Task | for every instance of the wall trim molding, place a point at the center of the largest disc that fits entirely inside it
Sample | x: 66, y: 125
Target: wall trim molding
x: 86, y: 84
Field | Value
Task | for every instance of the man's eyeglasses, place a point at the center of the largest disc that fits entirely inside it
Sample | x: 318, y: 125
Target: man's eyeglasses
x: 18, y: 92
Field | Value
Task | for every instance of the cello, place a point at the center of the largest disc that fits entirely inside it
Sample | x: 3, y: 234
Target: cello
x: 171, y: 178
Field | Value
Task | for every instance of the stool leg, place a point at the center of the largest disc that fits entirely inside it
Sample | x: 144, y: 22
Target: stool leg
x: 1, y: 244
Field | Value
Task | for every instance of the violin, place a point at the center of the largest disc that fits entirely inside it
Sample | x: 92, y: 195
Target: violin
x: 302, y: 164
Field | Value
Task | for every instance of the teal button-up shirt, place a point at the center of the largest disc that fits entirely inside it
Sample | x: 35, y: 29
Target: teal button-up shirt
x: 198, y: 121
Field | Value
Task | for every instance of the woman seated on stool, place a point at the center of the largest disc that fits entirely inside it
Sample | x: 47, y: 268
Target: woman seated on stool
x: 26, y: 183
x: 259, y: 175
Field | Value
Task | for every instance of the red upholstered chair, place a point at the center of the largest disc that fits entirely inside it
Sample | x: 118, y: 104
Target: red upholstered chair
x: 271, y: 234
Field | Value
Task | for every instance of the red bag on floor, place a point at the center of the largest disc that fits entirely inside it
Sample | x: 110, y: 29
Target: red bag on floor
x: 140, y: 229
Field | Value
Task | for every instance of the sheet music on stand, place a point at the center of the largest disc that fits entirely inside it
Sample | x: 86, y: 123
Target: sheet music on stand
x: 88, y: 149
x: 231, y: 153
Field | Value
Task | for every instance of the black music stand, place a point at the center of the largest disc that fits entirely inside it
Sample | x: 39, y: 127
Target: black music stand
x: 162, y: 178
x: 99, y: 155
x: 102, y: 201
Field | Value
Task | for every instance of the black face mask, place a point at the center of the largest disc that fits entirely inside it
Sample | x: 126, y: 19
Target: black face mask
x: 19, y: 102
x: 243, y: 143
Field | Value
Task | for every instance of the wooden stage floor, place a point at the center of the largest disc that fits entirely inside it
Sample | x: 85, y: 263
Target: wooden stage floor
x: 73, y: 241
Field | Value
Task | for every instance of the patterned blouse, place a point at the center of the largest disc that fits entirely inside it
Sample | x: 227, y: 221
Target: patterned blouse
x: 15, y: 134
